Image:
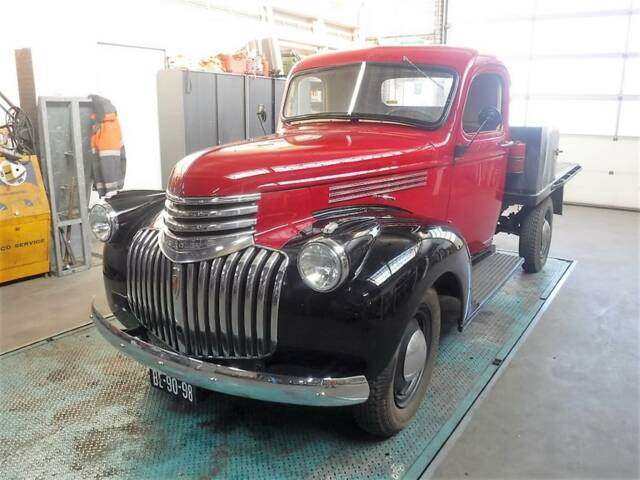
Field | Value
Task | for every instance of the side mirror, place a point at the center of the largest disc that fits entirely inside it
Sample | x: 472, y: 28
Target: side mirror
x: 489, y: 119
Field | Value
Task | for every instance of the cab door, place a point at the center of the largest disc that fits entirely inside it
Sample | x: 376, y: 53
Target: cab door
x: 479, y: 173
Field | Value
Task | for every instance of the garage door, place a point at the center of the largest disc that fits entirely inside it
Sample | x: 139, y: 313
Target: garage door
x: 576, y: 65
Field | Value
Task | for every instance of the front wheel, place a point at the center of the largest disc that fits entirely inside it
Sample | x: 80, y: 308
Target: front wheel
x: 397, y: 392
x: 535, y: 236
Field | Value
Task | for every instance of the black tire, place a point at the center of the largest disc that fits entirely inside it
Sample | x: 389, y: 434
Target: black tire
x: 535, y: 236
x: 383, y: 414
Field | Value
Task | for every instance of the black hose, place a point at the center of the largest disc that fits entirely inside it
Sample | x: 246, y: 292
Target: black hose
x: 19, y: 129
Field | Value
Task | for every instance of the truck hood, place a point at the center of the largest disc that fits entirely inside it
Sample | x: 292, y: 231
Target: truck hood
x: 303, y: 155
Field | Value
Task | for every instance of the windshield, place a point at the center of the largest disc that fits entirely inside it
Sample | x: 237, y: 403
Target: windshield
x: 389, y: 92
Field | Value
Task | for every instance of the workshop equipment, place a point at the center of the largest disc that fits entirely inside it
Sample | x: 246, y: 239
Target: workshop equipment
x: 17, y: 135
x: 65, y: 131
x: 25, y: 219
x: 81, y: 145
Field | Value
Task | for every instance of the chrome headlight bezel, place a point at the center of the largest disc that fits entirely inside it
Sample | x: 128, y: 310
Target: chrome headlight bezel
x: 108, y: 217
x: 341, y: 260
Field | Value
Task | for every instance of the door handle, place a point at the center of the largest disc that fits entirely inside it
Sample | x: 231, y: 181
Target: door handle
x: 507, y: 144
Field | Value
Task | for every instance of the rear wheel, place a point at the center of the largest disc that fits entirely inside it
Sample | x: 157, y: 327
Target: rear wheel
x: 397, y: 392
x: 535, y: 236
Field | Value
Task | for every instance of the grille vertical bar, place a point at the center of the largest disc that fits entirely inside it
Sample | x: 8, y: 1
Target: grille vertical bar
x: 204, y: 334
x: 214, y: 300
x: 179, y: 307
x: 263, y: 301
x: 130, y: 275
x: 142, y: 284
x: 135, y: 268
x: 226, y: 307
x: 166, y: 336
x: 155, y: 285
x: 250, y: 294
x: 275, y: 306
x: 191, y: 320
x: 237, y: 297
x: 225, y: 303
x: 171, y: 326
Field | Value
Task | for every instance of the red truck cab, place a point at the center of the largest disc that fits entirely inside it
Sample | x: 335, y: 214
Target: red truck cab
x: 308, y: 266
x: 310, y: 153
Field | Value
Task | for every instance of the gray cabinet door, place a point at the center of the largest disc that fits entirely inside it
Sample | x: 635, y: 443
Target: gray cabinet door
x: 259, y: 93
x: 201, y: 129
x: 231, y: 111
x: 278, y: 93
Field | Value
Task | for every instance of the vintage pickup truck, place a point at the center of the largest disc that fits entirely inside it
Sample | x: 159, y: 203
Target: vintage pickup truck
x: 308, y: 266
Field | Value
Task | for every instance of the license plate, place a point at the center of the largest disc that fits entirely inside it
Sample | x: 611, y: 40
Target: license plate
x: 174, y: 386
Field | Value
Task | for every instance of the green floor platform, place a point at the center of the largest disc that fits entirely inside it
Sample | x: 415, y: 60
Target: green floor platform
x: 73, y: 407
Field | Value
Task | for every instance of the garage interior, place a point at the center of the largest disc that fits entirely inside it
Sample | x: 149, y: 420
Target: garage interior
x: 562, y: 403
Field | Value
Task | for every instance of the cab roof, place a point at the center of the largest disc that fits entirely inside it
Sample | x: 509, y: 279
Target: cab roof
x: 457, y: 58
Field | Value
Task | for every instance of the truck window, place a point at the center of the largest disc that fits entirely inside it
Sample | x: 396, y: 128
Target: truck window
x: 323, y: 91
x: 372, y: 91
x: 485, y: 91
x: 415, y: 92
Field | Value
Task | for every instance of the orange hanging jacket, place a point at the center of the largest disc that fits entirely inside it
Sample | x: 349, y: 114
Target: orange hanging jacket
x: 110, y: 162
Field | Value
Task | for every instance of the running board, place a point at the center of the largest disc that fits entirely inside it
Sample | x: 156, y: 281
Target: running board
x: 487, y: 277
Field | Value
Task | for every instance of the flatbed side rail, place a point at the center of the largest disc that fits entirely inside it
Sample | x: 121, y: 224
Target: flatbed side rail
x: 566, y: 173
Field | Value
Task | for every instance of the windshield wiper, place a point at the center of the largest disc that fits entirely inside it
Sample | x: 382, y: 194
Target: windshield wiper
x: 318, y: 117
x: 406, y: 60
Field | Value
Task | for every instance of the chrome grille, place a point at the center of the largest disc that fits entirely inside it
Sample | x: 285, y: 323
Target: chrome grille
x: 225, y: 307
x: 198, y: 228
x: 377, y: 186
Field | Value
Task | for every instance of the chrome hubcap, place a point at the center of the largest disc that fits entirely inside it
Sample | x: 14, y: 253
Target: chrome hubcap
x: 415, y: 357
x: 546, y: 239
x: 411, y: 360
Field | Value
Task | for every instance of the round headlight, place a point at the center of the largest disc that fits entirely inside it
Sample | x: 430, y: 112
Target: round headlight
x: 103, y: 221
x: 323, y: 264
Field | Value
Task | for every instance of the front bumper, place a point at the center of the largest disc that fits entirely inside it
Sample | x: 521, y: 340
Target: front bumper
x: 329, y: 392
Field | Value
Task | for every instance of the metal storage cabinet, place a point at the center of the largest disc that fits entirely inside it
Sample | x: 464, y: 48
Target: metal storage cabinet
x: 278, y: 95
x: 260, y: 91
x: 200, y: 107
x: 231, y: 110
x: 197, y: 110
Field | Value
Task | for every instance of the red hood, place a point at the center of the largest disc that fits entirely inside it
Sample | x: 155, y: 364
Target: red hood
x: 301, y: 156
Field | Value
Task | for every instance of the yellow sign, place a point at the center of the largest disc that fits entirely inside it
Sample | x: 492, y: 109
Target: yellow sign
x: 25, y: 219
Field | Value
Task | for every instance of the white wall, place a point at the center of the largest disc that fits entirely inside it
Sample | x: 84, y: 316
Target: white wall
x: 127, y: 76
x: 381, y: 18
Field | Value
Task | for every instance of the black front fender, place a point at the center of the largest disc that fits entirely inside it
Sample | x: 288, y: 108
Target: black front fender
x: 393, y: 262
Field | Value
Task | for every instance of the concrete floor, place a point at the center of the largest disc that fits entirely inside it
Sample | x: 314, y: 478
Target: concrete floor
x: 31, y: 310
x: 567, y: 406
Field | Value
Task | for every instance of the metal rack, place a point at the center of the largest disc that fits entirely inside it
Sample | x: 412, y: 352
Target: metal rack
x: 65, y: 132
